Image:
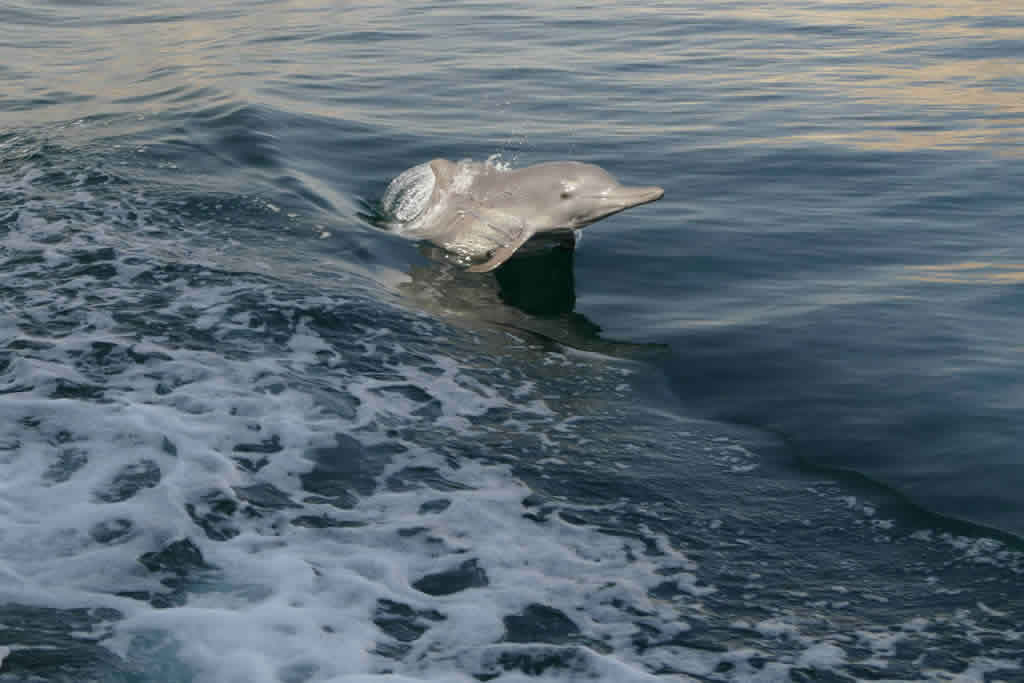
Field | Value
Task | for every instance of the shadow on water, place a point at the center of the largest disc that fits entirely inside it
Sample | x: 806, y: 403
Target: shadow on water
x: 534, y: 292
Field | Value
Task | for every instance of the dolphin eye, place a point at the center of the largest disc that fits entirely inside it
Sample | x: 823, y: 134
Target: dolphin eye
x: 565, y: 194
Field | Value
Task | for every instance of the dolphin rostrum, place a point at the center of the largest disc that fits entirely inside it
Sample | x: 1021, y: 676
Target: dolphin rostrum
x: 483, y: 213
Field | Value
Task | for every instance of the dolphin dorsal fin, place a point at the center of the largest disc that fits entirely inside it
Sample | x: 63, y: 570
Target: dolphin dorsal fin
x: 444, y: 173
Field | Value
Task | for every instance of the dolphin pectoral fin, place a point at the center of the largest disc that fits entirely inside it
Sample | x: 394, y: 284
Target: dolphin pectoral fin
x: 499, y: 256
x: 503, y: 253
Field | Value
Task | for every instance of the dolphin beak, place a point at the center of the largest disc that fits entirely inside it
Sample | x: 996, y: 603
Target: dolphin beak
x: 649, y: 194
x: 619, y: 199
x: 627, y: 197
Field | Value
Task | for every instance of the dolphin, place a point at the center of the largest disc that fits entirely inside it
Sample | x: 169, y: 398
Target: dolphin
x: 483, y: 213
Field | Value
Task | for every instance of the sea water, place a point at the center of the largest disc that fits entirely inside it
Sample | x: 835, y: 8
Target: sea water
x: 765, y: 429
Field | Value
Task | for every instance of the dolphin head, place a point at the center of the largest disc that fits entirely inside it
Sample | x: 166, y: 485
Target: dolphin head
x: 578, y: 194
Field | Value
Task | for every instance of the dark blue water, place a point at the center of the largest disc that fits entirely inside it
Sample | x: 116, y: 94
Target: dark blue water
x: 767, y: 428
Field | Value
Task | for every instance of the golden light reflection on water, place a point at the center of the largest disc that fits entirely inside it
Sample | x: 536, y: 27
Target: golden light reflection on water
x: 969, y: 272
x: 940, y: 59
x: 976, y: 113
x: 889, y: 75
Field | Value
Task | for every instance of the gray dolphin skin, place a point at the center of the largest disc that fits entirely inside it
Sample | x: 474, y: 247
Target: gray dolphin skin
x: 478, y: 210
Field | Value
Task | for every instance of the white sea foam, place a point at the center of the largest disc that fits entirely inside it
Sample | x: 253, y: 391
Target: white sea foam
x: 101, y: 481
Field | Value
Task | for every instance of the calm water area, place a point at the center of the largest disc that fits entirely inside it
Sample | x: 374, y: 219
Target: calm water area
x: 767, y: 428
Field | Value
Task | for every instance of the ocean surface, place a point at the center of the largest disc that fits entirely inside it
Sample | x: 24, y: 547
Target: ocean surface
x: 768, y: 428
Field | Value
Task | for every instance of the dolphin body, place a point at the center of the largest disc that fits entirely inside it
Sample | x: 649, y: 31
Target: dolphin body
x: 482, y: 213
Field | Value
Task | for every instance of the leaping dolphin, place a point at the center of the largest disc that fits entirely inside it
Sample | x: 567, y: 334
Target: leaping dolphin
x: 477, y: 210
